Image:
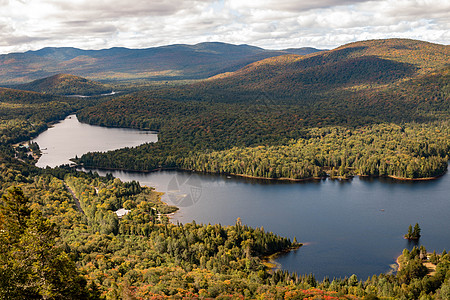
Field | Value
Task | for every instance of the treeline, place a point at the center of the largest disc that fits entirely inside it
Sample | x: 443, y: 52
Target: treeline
x: 147, y: 257
x: 407, y: 151
x: 65, y: 84
x: 26, y: 114
x: 193, y: 123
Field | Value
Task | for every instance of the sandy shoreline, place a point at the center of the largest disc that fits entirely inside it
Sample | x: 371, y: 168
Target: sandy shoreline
x: 269, y: 261
x: 414, y: 179
x: 431, y: 267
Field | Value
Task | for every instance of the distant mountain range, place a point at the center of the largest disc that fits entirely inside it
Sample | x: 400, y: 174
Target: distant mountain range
x: 375, y: 61
x: 159, y: 63
x: 362, y: 67
x: 276, y: 101
x: 358, y: 83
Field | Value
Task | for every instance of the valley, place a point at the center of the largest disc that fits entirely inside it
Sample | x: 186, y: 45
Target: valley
x: 376, y: 108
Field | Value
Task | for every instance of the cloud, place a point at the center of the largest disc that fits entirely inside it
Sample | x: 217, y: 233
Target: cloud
x: 108, y: 9
x: 89, y: 24
x: 288, y: 5
x: 13, y: 40
x: 326, y: 25
x: 418, y: 8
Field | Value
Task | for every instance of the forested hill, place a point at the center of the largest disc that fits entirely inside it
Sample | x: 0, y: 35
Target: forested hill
x: 24, y: 114
x: 61, y: 238
x: 403, y: 54
x: 274, y: 101
x: 65, y: 84
x: 157, y: 63
x: 367, y: 67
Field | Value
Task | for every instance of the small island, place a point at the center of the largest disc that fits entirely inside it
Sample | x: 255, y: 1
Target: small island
x: 413, y: 234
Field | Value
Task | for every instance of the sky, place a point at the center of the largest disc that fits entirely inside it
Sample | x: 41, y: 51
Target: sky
x: 271, y: 24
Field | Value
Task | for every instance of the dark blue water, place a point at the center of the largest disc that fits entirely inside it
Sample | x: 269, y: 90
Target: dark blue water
x: 348, y: 227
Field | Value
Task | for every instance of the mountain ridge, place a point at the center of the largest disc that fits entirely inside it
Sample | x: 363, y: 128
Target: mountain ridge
x: 358, y: 65
x: 170, y: 62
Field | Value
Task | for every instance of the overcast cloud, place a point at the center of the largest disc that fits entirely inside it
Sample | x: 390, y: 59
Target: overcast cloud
x: 275, y: 24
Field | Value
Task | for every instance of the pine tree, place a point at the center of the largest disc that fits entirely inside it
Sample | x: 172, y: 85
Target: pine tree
x: 410, y: 232
x: 413, y: 234
x: 31, y: 264
x: 416, y: 232
x: 15, y: 211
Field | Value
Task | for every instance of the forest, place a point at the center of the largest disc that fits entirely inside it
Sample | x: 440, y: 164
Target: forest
x: 87, y: 252
x: 408, y: 151
x: 60, y: 235
x: 197, y: 135
x: 255, y: 121
x: 65, y: 84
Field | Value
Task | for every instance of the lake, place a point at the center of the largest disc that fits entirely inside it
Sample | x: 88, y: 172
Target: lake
x: 70, y: 138
x: 348, y: 227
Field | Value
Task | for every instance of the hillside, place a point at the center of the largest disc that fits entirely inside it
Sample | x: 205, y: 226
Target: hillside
x: 158, y: 63
x: 60, y: 236
x: 25, y: 114
x: 64, y: 84
x: 418, y: 54
x: 370, y: 81
x: 362, y: 66
x: 278, y: 100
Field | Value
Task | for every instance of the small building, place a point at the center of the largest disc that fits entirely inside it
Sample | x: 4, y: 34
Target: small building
x: 122, y: 212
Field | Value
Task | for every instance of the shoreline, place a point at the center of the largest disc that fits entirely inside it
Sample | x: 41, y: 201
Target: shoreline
x: 269, y: 260
x: 415, y: 179
x: 431, y: 267
x: 399, y: 264
x: 268, y: 178
x: 200, y: 172
x: 260, y: 177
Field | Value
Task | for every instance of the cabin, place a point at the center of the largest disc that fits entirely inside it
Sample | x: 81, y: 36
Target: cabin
x: 122, y: 212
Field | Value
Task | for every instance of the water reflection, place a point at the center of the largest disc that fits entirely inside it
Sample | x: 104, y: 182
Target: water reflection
x: 348, y: 226
x: 71, y: 138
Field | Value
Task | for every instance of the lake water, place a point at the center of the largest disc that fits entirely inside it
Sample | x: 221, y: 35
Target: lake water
x: 70, y: 138
x: 348, y: 227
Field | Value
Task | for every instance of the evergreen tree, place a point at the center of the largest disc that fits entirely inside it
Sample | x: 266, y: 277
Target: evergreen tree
x: 15, y: 212
x: 31, y: 264
x: 413, y: 234
x: 416, y: 232
x: 410, y: 232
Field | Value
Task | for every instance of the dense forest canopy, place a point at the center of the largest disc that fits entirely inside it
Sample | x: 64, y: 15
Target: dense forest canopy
x: 143, y: 255
x: 65, y: 84
x: 378, y: 108
x: 277, y: 100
